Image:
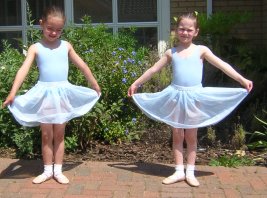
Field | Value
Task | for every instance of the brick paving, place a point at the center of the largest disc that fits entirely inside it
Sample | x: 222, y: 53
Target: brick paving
x: 125, y: 180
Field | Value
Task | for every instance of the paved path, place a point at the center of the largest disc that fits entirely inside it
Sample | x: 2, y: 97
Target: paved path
x: 126, y: 180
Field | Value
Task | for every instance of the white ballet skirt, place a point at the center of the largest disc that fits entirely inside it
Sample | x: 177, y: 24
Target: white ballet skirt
x: 190, y: 107
x: 52, y: 102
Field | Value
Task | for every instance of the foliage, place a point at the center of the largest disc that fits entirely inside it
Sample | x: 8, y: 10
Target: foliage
x: 11, y: 133
x: 159, y: 80
x: 258, y: 139
x: 211, y: 135
x: 116, y: 62
x: 33, y: 34
x: 231, y: 161
x: 216, y: 33
x: 221, y: 23
x: 239, y: 138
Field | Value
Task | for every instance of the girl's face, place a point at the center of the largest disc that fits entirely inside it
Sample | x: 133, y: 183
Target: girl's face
x: 52, y: 28
x: 186, y: 31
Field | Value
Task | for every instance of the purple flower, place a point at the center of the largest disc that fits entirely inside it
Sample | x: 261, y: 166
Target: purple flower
x: 124, y: 70
x: 130, y: 60
x: 113, y: 53
x: 133, y: 53
x: 134, y: 120
x: 126, y: 132
x: 133, y: 74
x: 124, y: 80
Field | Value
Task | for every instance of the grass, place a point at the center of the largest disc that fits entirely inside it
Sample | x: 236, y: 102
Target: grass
x: 231, y: 161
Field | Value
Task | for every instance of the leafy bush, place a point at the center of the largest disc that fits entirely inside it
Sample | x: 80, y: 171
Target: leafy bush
x: 116, y: 62
x: 215, y: 32
x: 11, y: 133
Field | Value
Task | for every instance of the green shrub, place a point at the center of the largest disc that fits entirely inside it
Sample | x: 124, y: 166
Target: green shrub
x: 11, y: 133
x: 116, y: 62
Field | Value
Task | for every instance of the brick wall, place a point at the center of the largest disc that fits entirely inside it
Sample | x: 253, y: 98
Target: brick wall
x: 251, y: 30
x: 255, y: 30
x: 181, y: 6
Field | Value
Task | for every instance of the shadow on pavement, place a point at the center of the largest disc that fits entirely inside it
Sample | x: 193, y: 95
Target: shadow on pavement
x: 22, y: 169
x: 160, y: 170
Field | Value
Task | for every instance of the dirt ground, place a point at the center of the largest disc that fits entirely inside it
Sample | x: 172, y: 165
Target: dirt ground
x: 156, y: 147
x: 153, y: 147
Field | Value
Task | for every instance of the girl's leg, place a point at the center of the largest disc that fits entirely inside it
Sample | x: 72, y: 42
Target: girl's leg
x: 177, y: 145
x: 47, y: 153
x: 191, y: 143
x: 47, y: 143
x: 178, y: 139
x: 59, y: 132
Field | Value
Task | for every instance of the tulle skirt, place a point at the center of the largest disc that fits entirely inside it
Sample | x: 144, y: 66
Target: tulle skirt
x: 52, y: 102
x: 190, y: 107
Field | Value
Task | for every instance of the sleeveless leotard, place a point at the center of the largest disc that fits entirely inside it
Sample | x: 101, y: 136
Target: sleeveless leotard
x: 187, y: 71
x: 53, y: 64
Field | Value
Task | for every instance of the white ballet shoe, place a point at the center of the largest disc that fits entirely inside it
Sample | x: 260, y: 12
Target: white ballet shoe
x: 62, y: 179
x: 173, y: 179
x: 41, y: 178
x: 192, y: 181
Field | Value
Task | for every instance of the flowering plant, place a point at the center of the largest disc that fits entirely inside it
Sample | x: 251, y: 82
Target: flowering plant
x: 116, y: 62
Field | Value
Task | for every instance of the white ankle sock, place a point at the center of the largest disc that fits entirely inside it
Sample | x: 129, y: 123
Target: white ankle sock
x: 190, y: 169
x: 57, y: 169
x: 48, y: 170
x: 179, y: 170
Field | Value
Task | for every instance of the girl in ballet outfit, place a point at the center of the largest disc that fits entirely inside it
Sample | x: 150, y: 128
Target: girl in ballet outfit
x: 185, y: 104
x: 53, y: 100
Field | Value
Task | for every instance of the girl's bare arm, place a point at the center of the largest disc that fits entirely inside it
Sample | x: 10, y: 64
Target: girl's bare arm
x: 21, y: 75
x: 164, y: 60
x: 76, y: 59
x: 226, y: 68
